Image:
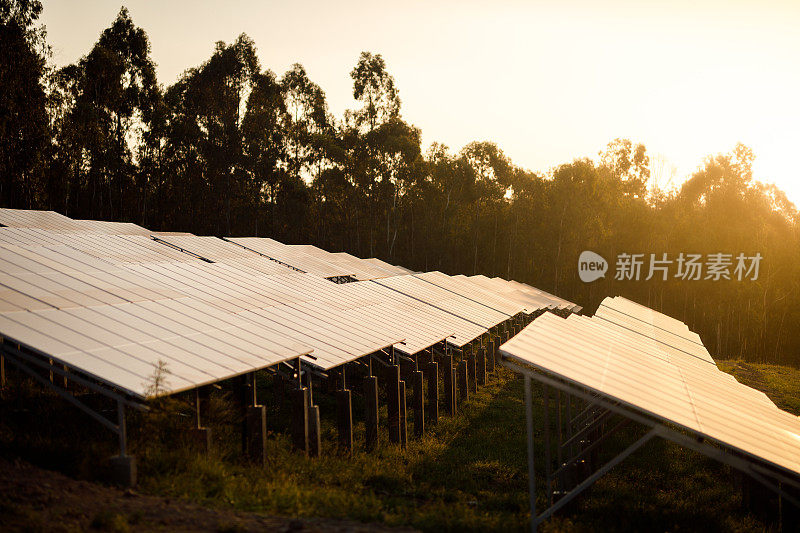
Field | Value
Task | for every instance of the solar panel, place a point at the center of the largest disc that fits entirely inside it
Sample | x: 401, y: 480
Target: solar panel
x: 391, y: 269
x: 296, y: 258
x: 24, y: 218
x: 444, y: 300
x: 476, y: 293
x: 116, y: 326
x: 649, y: 377
x: 56, y: 222
x: 385, y: 316
x: 562, y: 303
x: 362, y: 270
x: 652, y: 324
x: 524, y: 294
x: 110, y: 227
x: 335, y: 337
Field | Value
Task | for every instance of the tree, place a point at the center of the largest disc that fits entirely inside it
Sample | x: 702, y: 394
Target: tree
x: 374, y: 87
x: 629, y: 163
x: 307, y: 124
x: 263, y: 137
x: 110, y: 97
x: 207, y: 107
x: 24, y: 127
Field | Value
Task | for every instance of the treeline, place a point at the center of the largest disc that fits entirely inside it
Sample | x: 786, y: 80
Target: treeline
x: 231, y: 148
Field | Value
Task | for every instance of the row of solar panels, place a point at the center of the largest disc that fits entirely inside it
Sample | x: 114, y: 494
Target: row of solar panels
x: 653, y: 364
x: 115, y: 305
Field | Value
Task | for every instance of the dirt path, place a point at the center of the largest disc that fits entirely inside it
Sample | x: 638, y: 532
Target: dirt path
x: 32, y: 499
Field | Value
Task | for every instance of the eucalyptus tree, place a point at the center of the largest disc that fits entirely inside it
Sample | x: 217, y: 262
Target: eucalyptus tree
x: 307, y: 122
x: 207, y: 108
x: 383, y: 150
x: 491, y: 173
x: 265, y: 148
x: 113, y: 94
x: 24, y: 126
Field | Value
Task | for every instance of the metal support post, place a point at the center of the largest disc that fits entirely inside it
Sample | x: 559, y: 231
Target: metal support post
x: 531, y: 468
x: 393, y: 402
x: 419, y: 402
x: 547, y: 461
x: 433, y: 391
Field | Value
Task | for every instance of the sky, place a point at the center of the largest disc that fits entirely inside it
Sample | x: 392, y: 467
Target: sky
x: 547, y: 81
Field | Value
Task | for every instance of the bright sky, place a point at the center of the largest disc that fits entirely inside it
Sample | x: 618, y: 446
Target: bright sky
x: 546, y: 81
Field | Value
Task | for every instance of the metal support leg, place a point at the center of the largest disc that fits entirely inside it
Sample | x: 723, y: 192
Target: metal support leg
x: 531, y: 469
x: 300, y: 419
x: 403, y: 415
x: 449, y: 385
x: 433, y: 392
x: 345, y: 419
x: 472, y: 371
x: 315, y: 437
x: 481, y: 354
x: 463, y: 381
x: 371, y: 411
x: 547, y: 462
x: 393, y: 402
x: 594, y: 477
x: 559, y: 439
x: 419, y: 403
x: 122, y: 429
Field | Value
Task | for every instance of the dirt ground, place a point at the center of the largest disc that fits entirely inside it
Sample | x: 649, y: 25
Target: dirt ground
x: 32, y: 499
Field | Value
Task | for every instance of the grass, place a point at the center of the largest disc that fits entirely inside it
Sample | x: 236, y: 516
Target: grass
x: 468, y: 473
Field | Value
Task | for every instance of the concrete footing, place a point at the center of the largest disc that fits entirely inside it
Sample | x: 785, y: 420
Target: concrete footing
x: 759, y: 500
x: 790, y: 514
x: 299, y: 399
x: 448, y: 373
x: 371, y: 411
x: 314, y: 435
x: 432, y: 375
x: 279, y: 389
x: 463, y: 385
x: 472, y: 372
x: 393, y: 402
x: 403, y: 415
x: 481, y: 369
x: 200, y: 439
x: 344, y: 419
x: 256, y: 423
x: 454, y: 374
x: 418, y: 401
x: 120, y: 470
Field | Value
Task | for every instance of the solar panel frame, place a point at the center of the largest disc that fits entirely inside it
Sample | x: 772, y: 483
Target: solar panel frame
x: 566, y: 349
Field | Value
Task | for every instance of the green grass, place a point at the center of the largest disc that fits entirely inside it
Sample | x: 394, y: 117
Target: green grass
x: 468, y: 473
x: 780, y: 383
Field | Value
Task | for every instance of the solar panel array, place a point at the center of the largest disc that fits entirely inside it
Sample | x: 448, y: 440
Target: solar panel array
x: 117, y: 326
x: 112, y: 300
x: 317, y: 261
x: 653, y: 364
x: 50, y: 220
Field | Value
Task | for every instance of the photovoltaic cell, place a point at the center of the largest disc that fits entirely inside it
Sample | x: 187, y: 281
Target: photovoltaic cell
x: 661, y: 381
